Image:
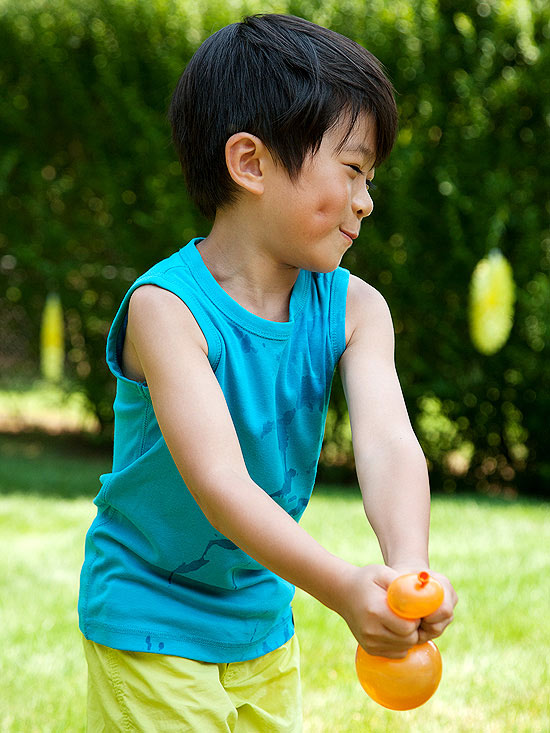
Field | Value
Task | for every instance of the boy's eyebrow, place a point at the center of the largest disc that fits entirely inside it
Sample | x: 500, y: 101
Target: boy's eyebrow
x: 362, y: 150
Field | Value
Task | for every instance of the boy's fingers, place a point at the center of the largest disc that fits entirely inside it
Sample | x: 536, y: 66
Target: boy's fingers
x: 384, y: 576
x: 400, y: 627
x: 425, y: 635
x: 429, y: 630
x: 388, y: 644
x: 451, y: 597
x: 389, y: 653
x: 443, y: 614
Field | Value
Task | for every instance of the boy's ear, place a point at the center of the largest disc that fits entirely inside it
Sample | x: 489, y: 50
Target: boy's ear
x: 246, y: 158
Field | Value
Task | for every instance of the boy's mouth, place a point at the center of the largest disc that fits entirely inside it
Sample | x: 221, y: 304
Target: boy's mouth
x: 350, y: 235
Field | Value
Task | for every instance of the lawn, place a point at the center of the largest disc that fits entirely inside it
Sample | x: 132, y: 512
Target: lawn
x: 496, y: 672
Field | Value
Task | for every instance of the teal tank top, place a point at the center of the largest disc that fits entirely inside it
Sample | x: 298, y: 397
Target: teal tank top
x: 157, y: 576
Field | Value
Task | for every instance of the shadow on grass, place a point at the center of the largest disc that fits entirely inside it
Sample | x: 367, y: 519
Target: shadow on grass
x: 467, y: 496
x: 65, y: 466
x: 68, y: 466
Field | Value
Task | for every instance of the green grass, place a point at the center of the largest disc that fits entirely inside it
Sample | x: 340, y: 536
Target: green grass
x: 496, y: 675
x: 495, y: 655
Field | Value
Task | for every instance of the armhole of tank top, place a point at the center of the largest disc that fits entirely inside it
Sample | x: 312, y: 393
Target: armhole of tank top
x: 337, y: 312
x: 115, y: 339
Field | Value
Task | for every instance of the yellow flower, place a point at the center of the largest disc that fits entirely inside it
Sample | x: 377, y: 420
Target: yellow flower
x: 52, y: 351
x: 492, y: 295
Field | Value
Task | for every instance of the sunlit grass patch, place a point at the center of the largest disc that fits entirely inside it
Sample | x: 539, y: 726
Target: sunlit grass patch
x: 495, y: 655
x: 495, y: 668
x: 46, y: 406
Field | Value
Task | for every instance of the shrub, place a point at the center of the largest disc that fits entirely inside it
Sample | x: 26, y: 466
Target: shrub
x: 91, y: 195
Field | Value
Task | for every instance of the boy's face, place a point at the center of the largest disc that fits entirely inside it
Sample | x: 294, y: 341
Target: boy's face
x: 313, y: 220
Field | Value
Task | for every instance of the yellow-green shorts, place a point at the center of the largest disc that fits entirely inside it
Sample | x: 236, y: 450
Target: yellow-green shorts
x: 150, y: 693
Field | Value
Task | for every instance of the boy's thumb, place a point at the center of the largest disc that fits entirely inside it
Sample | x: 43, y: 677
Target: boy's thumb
x: 384, y: 576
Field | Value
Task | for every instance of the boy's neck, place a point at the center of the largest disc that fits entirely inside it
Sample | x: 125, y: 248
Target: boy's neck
x: 247, y: 271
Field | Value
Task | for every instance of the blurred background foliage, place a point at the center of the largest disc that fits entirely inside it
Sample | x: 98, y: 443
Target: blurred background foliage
x: 91, y: 195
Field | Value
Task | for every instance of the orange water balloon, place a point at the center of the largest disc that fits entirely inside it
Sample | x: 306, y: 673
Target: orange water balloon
x: 404, y: 684
x: 400, y: 684
x: 415, y: 595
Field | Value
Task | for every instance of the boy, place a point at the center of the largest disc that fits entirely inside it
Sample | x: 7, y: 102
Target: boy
x: 224, y: 355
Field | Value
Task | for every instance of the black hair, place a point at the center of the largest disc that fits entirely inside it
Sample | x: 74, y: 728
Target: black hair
x: 283, y: 79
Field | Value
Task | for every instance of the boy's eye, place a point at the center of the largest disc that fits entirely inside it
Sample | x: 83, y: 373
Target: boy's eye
x: 370, y: 184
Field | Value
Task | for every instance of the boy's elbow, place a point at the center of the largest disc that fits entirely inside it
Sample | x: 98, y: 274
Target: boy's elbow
x: 408, y: 453
x: 218, y: 492
x: 393, y: 453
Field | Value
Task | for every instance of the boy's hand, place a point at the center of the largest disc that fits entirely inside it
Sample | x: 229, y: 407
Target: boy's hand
x: 377, y: 629
x: 435, y: 624
x: 365, y: 609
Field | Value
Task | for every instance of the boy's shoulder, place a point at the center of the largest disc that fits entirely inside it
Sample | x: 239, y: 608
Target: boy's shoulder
x: 366, y: 310
x: 362, y: 294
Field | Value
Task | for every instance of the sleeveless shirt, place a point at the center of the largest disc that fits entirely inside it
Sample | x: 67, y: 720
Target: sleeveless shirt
x: 157, y: 576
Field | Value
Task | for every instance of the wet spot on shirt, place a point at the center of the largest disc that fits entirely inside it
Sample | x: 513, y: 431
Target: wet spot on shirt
x: 246, y: 342
x: 311, y: 393
x: 194, y: 565
x: 286, y: 488
x: 283, y: 432
x: 189, y: 567
x: 149, y: 643
x: 299, y: 508
x: 267, y: 428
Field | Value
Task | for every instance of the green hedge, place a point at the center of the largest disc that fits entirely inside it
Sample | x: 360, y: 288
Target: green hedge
x: 91, y: 195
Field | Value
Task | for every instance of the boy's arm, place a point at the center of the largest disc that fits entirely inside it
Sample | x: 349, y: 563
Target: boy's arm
x: 169, y: 348
x: 391, y: 467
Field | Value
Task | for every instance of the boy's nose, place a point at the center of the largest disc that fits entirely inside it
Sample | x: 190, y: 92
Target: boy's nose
x: 362, y: 203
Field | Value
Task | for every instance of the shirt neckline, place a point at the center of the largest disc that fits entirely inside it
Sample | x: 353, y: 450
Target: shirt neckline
x: 224, y: 302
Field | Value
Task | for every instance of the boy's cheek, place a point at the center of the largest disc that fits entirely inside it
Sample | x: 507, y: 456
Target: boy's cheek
x: 318, y: 225
x: 323, y: 215
x: 328, y: 210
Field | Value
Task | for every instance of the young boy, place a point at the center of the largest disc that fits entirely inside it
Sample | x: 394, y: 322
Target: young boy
x: 224, y: 355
